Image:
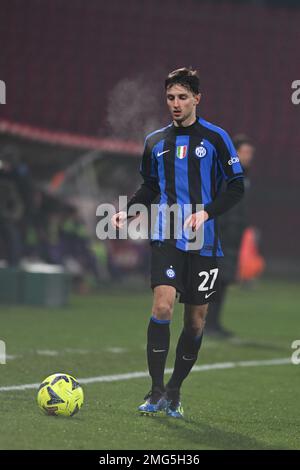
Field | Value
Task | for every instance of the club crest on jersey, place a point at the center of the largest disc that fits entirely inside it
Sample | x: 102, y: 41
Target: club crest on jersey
x: 181, y: 151
x: 233, y: 160
x: 200, y: 151
x: 170, y: 272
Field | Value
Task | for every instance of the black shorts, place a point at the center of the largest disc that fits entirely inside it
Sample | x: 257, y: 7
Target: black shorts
x: 195, y: 277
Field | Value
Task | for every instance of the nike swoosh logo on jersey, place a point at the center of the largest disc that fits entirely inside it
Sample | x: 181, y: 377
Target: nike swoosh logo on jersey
x: 211, y: 293
x: 161, y: 153
x: 158, y: 350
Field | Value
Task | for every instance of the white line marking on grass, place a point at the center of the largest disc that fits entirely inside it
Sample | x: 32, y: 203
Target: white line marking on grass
x: 76, y: 351
x: 52, y: 352
x: 47, y: 352
x: 11, y: 357
x: 116, y: 350
x: 137, y: 375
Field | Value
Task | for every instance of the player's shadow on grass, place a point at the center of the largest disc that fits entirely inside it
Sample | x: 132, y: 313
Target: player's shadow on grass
x: 198, y: 433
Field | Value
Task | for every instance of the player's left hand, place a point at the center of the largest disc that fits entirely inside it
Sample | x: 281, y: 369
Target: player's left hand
x: 196, y: 220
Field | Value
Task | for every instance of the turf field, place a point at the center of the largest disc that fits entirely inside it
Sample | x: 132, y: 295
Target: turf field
x: 234, y: 404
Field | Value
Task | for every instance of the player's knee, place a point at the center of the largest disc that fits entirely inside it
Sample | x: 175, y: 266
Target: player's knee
x: 195, y: 326
x: 195, y: 329
x: 194, y: 321
x: 163, y: 310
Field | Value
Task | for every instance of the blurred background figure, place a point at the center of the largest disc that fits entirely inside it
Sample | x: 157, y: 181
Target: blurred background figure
x: 39, y: 226
x: 232, y: 226
x: 15, y: 203
x: 77, y: 247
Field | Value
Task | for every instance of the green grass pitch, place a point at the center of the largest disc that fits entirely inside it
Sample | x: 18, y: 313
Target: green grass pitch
x: 253, y: 407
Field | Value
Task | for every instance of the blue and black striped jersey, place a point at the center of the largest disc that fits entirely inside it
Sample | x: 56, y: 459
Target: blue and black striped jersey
x: 189, y: 165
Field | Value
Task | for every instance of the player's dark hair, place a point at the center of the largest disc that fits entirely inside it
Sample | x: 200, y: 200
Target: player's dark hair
x: 242, y: 139
x: 186, y: 77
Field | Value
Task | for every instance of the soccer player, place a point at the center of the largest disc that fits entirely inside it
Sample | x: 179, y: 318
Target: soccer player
x: 184, y: 164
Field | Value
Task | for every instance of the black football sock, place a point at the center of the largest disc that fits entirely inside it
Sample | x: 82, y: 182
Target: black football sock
x: 158, y: 341
x: 186, y: 355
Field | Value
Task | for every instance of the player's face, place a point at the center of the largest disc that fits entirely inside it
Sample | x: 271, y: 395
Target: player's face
x: 182, y: 104
x: 246, y: 154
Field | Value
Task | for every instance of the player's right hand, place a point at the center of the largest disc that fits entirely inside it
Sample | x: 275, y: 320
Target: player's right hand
x: 118, y: 220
